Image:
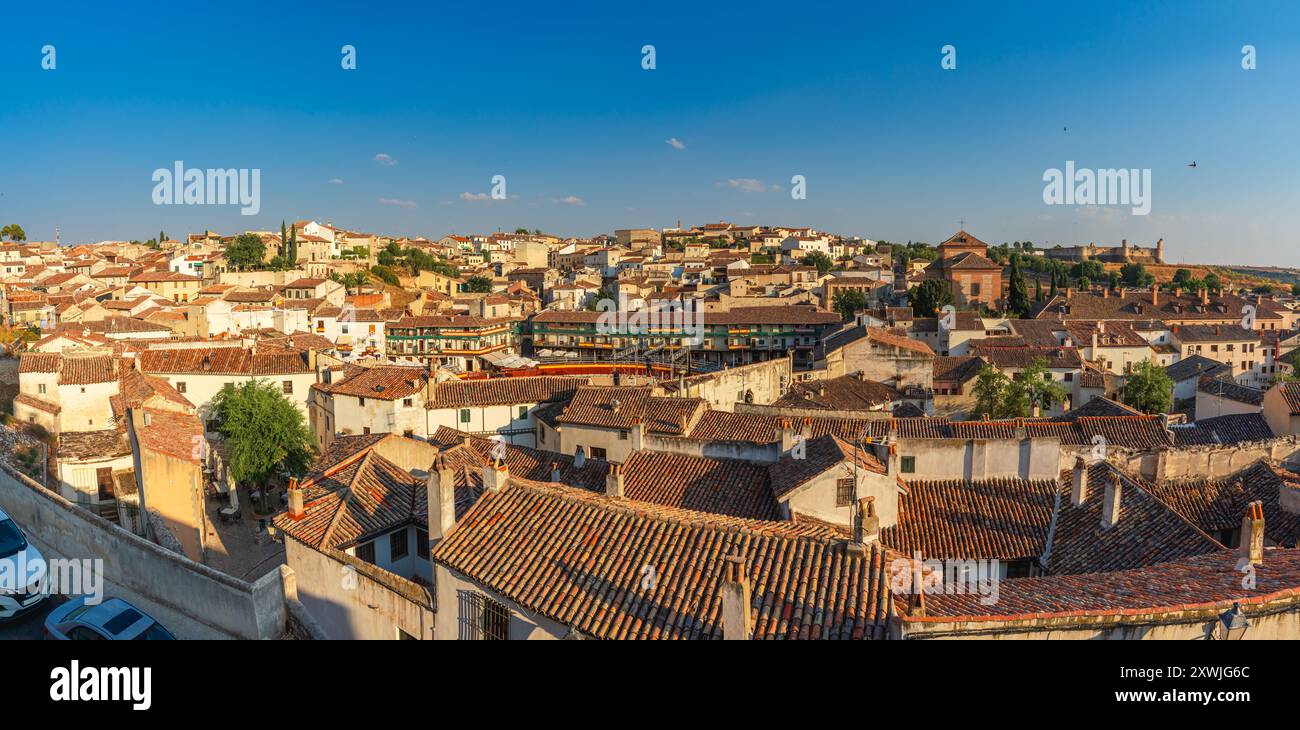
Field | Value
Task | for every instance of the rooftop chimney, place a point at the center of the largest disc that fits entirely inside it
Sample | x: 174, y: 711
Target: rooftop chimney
x: 1251, y: 549
x: 1155, y: 295
x: 1079, y: 484
x: 495, y: 476
x: 614, y: 481
x: 867, y: 528
x: 296, y: 510
x: 785, y: 432
x: 737, y: 624
x: 440, y: 493
x: 1205, y: 295
x: 806, y: 431
x: 1111, y: 502
x: 555, y: 471
x: 638, y: 432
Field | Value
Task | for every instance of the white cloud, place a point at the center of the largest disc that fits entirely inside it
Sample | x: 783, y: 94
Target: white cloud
x: 335, y: 181
x: 475, y: 196
x: 675, y: 143
x: 385, y: 159
x: 571, y: 200
x: 397, y: 202
x: 750, y: 185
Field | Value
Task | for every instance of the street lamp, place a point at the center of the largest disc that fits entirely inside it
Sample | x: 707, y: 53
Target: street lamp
x: 1232, y: 624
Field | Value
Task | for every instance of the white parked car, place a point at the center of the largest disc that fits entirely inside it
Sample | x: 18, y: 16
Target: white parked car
x: 20, y: 564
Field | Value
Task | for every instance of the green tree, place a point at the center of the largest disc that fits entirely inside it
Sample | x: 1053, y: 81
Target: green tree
x: 246, y: 251
x: 1018, y: 294
x: 929, y: 296
x: 355, y: 280
x: 1091, y: 270
x: 1135, y: 274
x: 990, y: 391
x: 1212, y: 282
x: 1295, y: 290
x: 848, y: 302
x: 478, y: 285
x: 521, y: 230
x: 264, y: 430
x: 1148, y: 388
x: 385, y: 274
x: 293, y: 246
x: 1031, y: 387
x: 284, y: 239
x: 818, y: 259
x: 13, y: 232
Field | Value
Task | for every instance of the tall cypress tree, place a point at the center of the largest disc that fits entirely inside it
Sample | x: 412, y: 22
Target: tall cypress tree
x: 284, y: 243
x: 293, y: 246
x: 1018, y: 296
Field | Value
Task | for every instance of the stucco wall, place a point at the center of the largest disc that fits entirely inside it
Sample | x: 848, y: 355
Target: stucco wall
x: 349, y: 604
x: 247, y: 610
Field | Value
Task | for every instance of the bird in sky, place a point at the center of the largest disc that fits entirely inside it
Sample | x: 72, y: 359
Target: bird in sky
x: 1192, y: 163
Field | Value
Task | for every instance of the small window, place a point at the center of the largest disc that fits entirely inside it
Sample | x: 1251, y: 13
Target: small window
x: 908, y: 464
x: 408, y: 433
x: 622, y: 435
x: 180, y: 386
x: 844, y: 492
x: 41, y: 388
x: 365, y: 430
x: 287, y: 387
x: 361, y: 402
x: 398, y: 545
x: 523, y: 412
x: 464, y: 415
x: 407, y: 402
x: 366, y: 552
x: 422, y: 544
x: 597, y: 453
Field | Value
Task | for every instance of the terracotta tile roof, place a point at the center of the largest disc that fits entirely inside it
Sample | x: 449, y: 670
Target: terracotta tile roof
x: 1291, y: 395
x: 844, y: 393
x: 616, y: 407
x: 382, y: 382
x: 499, y: 391
x: 1213, y: 333
x: 39, y: 362
x: 957, y: 369
x: 37, y: 403
x: 136, y: 388
x: 1102, y: 406
x: 359, y: 497
x: 1148, y: 531
x: 1002, y: 519
x: 1209, y: 582
x: 1225, y: 387
x: 224, y: 361
x: 162, y: 276
x: 1137, y: 305
x: 718, y: 486
x: 1194, y: 367
x: 173, y: 434
x: 1218, y: 504
x: 821, y: 454
x: 578, y: 559
x: 104, y: 444
x: 72, y: 370
x: 1231, y: 429
x: 1023, y: 357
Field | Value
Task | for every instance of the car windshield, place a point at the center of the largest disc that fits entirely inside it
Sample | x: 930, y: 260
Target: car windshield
x: 11, y: 539
x: 155, y: 632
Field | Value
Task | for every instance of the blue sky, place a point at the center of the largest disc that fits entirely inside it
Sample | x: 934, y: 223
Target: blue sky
x: 553, y: 96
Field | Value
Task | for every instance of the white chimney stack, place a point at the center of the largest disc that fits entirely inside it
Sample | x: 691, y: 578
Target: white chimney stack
x: 1079, y: 484
x: 440, y: 491
x: 737, y: 624
x: 296, y: 509
x: 614, y: 481
x: 1111, y: 502
x: 1251, y: 549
